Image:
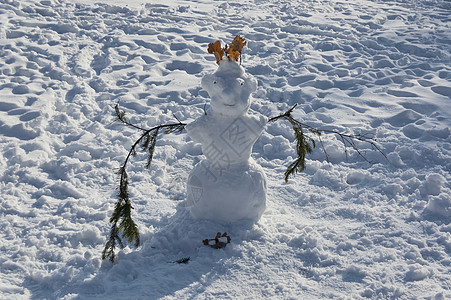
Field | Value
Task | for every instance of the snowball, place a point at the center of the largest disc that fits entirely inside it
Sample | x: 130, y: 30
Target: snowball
x: 416, y: 273
x: 229, y: 196
x: 83, y: 155
x: 229, y: 89
x: 395, y: 159
x: 433, y: 184
x: 353, y: 274
x: 89, y: 236
x: 328, y: 178
x: 440, y: 205
x: 356, y: 177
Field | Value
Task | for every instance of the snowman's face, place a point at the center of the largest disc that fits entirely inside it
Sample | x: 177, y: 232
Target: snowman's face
x: 229, y: 89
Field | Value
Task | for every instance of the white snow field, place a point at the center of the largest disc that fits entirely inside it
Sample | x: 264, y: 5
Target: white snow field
x: 343, y: 229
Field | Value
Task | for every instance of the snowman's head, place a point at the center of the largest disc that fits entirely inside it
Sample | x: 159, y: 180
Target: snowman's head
x: 229, y: 89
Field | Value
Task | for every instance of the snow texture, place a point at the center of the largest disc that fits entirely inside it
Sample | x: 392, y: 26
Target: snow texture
x: 344, y: 228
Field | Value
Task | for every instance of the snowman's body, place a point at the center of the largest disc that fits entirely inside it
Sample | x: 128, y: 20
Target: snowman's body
x: 227, y: 185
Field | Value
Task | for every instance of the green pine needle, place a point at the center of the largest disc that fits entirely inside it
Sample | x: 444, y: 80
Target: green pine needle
x: 151, y: 147
x: 305, y: 143
x: 121, y: 219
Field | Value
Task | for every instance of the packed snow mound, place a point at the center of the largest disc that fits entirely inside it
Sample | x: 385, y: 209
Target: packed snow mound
x: 238, y: 193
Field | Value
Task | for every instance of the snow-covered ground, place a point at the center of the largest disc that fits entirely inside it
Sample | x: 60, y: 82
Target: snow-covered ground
x: 342, y: 229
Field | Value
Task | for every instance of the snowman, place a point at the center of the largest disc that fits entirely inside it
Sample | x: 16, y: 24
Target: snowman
x: 228, y: 185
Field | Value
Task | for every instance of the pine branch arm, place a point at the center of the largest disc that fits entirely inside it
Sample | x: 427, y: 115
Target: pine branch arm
x: 305, y: 143
x: 121, y: 220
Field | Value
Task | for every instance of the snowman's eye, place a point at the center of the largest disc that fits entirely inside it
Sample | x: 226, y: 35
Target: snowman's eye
x: 242, y: 83
x: 214, y: 82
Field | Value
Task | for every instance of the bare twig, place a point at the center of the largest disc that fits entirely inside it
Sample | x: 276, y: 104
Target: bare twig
x: 324, y: 149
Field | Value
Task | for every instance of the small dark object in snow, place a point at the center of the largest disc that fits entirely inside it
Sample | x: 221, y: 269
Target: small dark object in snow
x: 220, y: 241
x: 183, y: 260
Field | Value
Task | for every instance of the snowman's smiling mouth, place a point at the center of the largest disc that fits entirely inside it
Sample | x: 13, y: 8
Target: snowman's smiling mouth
x: 229, y: 104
